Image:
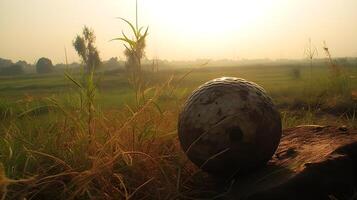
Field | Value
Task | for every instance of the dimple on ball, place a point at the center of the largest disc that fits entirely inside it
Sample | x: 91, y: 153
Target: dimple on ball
x: 229, y: 125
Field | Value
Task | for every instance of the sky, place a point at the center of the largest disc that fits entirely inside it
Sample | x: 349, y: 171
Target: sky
x: 180, y: 29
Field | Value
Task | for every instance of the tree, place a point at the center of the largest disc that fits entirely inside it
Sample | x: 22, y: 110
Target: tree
x: 44, y: 66
x: 5, y: 63
x: 112, y: 63
x: 14, y: 69
x: 84, y: 45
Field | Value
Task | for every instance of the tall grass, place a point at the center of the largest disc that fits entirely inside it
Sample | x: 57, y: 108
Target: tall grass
x: 78, y: 152
x: 133, y: 152
x: 72, y: 149
x: 130, y: 154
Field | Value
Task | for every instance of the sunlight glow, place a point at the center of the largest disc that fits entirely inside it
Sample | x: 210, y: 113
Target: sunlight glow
x: 180, y: 29
x: 217, y: 16
x: 212, y: 25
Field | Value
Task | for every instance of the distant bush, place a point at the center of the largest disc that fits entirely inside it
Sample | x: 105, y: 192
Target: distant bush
x: 12, y: 70
x: 295, y: 73
x: 112, y: 63
x: 5, y: 63
x: 44, y: 66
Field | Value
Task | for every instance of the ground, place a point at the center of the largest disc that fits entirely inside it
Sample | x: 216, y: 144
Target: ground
x: 310, y: 163
x: 124, y: 145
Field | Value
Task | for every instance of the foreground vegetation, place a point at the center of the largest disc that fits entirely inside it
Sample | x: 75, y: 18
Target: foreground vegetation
x: 133, y: 151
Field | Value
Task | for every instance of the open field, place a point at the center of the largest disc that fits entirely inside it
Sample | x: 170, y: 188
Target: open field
x: 128, y: 147
x: 115, y: 91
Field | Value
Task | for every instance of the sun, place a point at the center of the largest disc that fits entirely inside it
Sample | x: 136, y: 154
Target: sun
x: 203, y: 27
x: 196, y: 16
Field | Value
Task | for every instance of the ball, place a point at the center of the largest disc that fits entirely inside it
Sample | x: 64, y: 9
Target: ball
x: 229, y: 125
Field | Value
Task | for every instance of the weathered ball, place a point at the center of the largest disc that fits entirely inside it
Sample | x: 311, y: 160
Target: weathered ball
x: 229, y: 125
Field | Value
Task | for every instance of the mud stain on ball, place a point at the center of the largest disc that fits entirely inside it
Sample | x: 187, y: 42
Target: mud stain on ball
x: 235, y: 134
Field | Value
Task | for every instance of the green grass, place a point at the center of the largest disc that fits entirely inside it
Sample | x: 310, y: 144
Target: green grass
x: 134, y: 152
x: 275, y: 79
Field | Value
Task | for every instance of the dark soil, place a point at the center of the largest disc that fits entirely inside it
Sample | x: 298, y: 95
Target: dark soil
x: 312, y: 162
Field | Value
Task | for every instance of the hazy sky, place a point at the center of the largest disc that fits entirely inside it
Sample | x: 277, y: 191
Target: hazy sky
x: 180, y: 29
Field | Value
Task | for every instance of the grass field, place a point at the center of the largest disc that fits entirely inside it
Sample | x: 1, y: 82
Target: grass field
x: 128, y: 147
x: 114, y: 90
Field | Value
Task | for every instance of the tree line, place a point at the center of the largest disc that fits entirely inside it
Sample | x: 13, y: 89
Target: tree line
x: 46, y: 66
